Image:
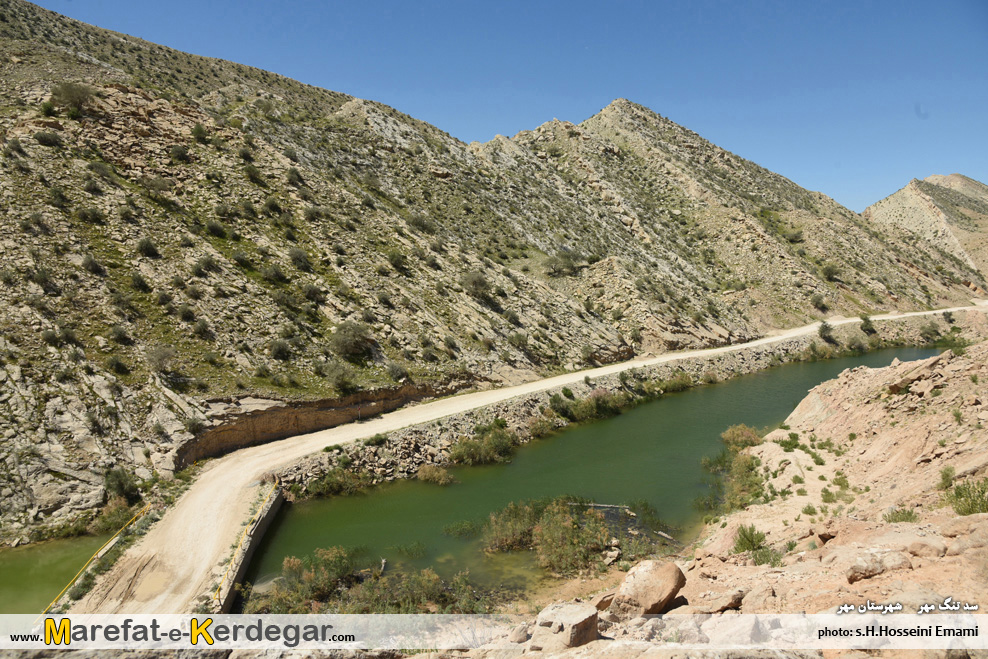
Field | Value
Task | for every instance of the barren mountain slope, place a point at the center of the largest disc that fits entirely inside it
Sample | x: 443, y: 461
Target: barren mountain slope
x: 183, y: 232
x: 949, y: 212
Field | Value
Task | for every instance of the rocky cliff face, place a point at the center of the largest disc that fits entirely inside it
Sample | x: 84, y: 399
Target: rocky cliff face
x: 182, y: 230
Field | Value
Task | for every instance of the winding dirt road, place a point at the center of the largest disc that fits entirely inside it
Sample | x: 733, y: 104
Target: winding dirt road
x: 170, y: 566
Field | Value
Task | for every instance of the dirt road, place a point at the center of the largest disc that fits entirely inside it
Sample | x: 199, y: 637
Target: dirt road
x: 174, y: 562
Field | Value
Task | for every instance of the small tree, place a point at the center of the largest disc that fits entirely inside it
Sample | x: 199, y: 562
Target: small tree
x: 867, y: 326
x: 161, y: 358
x: 826, y: 332
x: 830, y: 271
x: 476, y: 284
x: 119, y: 482
x: 72, y: 95
x: 930, y: 332
x: 352, y: 340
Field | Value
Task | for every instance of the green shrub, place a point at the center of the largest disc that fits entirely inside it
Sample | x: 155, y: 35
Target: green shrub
x: 281, y: 350
x: 829, y: 271
x: 930, y: 332
x: 434, y: 474
x: 139, y: 283
x: 45, y: 138
x: 491, y: 443
x: 422, y: 223
x: 91, y: 265
x: 179, y: 153
x: 114, y: 515
x: 396, y: 371
x: 161, y: 358
x: 379, y: 439
x: 809, y: 509
x: 72, y: 95
x: 300, y: 259
x: 57, y: 197
x: 867, y: 326
x: 398, y: 261
x: 216, y: 228
x: 119, y: 334
x: 745, y: 482
x: 740, y: 436
x: 748, y: 538
x: 568, y: 540
x: 767, y: 556
x: 477, y: 285
x: 146, y: 247
x: 900, y: 515
x: 117, y: 365
x: 121, y: 483
x: 946, y: 478
x: 511, y: 527
x: 352, y: 340
x: 274, y: 274
x: 91, y: 215
x: 339, y: 481
x: 254, y: 175
x: 968, y: 498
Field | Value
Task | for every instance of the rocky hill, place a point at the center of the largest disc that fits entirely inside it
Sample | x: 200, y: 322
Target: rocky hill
x: 948, y: 212
x: 184, y: 232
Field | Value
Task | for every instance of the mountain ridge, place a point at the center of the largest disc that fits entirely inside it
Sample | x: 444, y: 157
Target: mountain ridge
x: 950, y: 211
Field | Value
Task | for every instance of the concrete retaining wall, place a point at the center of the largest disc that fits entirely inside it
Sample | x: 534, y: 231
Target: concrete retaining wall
x: 241, y: 560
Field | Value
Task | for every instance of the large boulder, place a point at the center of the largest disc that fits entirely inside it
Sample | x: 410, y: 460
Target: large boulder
x: 562, y: 626
x: 648, y: 588
x: 864, y: 567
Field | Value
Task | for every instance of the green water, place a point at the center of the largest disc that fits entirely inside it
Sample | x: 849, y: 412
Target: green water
x: 652, y: 452
x: 31, y: 576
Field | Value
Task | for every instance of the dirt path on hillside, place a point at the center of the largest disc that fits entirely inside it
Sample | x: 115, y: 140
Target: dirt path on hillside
x: 169, y: 567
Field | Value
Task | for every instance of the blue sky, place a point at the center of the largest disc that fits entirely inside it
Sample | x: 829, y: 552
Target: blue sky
x: 849, y: 98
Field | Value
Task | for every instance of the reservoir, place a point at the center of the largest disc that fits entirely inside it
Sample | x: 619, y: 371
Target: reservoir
x: 652, y: 452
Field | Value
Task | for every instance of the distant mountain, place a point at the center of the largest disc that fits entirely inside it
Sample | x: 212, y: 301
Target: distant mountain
x: 181, y: 231
x: 949, y: 212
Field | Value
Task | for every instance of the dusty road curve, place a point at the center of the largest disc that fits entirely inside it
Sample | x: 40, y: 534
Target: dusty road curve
x: 166, y: 569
